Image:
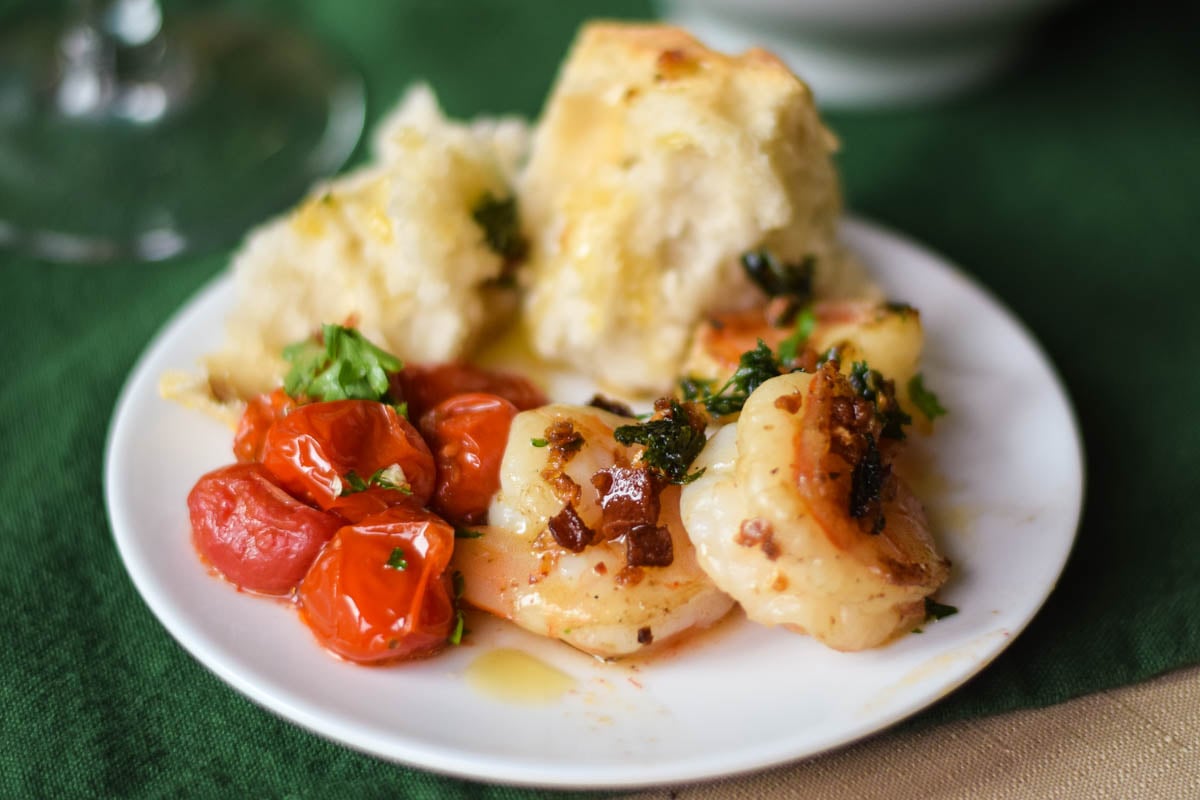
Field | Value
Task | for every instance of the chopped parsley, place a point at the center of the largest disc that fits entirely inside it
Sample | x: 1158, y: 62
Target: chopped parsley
x: 539, y: 442
x: 925, y: 401
x: 342, y: 365
x: 396, y: 560
x: 791, y: 347
x: 460, y: 619
x: 671, y: 441
x: 501, y: 225
x: 793, y: 282
x: 695, y: 389
x: 833, y: 354
x: 899, y: 307
x: 755, y: 367
x: 935, y: 610
x: 385, y: 478
x: 466, y: 533
x: 871, y: 385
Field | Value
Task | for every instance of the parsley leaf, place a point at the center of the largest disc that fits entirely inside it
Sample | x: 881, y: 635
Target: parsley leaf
x: 791, y: 281
x: 501, y: 225
x: 460, y: 619
x: 755, y: 367
x: 343, y: 365
x: 694, y: 389
x: 925, y: 401
x: 539, y: 442
x: 671, y: 441
x: 396, y: 560
x: 871, y: 385
x: 789, y: 348
x: 466, y: 533
x: 385, y: 478
x: 935, y: 610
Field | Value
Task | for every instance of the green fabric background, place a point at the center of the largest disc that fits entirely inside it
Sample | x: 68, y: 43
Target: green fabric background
x: 1070, y: 189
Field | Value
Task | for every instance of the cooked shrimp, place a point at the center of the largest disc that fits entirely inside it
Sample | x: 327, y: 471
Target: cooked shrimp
x: 588, y: 595
x: 799, y: 516
x: 888, y: 337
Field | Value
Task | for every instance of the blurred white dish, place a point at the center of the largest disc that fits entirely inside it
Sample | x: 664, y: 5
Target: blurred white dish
x: 1005, y: 501
x: 859, y: 53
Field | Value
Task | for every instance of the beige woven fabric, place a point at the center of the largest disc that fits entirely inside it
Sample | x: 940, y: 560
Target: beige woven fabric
x: 1135, y: 743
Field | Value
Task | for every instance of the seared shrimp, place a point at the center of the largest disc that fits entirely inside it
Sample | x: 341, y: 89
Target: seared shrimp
x: 888, y: 337
x: 799, y: 516
x: 538, y: 564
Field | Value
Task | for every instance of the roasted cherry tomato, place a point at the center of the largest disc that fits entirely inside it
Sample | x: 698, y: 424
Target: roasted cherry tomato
x: 312, y: 451
x: 253, y: 532
x: 357, y: 506
x: 378, y: 591
x: 467, y: 434
x: 423, y: 386
x: 260, y: 414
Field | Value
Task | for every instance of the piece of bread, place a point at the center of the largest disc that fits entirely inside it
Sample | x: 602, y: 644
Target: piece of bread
x: 392, y: 248
x: 656, y: 165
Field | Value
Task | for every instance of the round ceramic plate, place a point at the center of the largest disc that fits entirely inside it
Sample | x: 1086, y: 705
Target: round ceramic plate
x: 1004, y: 489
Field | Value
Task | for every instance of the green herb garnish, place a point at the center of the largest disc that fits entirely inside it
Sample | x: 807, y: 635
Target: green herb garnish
x: 539, y: 442
x: 384, y: 478
x: 343, y: 365
x: 790, y: 348
x: 755, y: 367
x: 694, y: 389
x: 671, y: 442
x: 833, y: 353
x: 935, y: 610
x: 791, y: 281
x: 460, y: 619
x: 466, y: 533
x: 396, y: 560
x: 925, y: 401
x: 501, y: 225
x: 871, y: 385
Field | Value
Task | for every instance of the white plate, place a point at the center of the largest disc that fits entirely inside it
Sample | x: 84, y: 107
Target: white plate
x: 1006, y: 497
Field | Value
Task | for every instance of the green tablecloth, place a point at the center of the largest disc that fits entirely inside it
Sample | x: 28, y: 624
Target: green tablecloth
x: 1069, y: 188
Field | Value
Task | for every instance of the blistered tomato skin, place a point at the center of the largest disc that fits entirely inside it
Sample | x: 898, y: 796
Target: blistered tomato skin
x: 255, y: 534
x: 423, y: 386
x: 312, y: 450
x: 378, y: 592
x: 261, y: 413
x: 468, y: 434
x: 358, y: 506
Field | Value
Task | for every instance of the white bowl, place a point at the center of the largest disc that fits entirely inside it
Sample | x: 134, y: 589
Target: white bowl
x: 857, y: 53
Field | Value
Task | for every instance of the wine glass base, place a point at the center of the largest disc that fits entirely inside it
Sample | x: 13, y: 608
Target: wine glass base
x: 242, y: 119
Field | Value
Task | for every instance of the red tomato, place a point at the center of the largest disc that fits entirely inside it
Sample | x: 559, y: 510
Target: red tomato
x: 423, y: 386
x: 358, y: 506
x: 378, y: 591
x: 467, y: 434
x: 260, y: 414
x: 313, y: 449
x: 253, y: 532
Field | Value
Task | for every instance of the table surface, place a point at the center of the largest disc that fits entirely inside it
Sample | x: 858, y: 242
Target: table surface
x: 1068, y: 188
